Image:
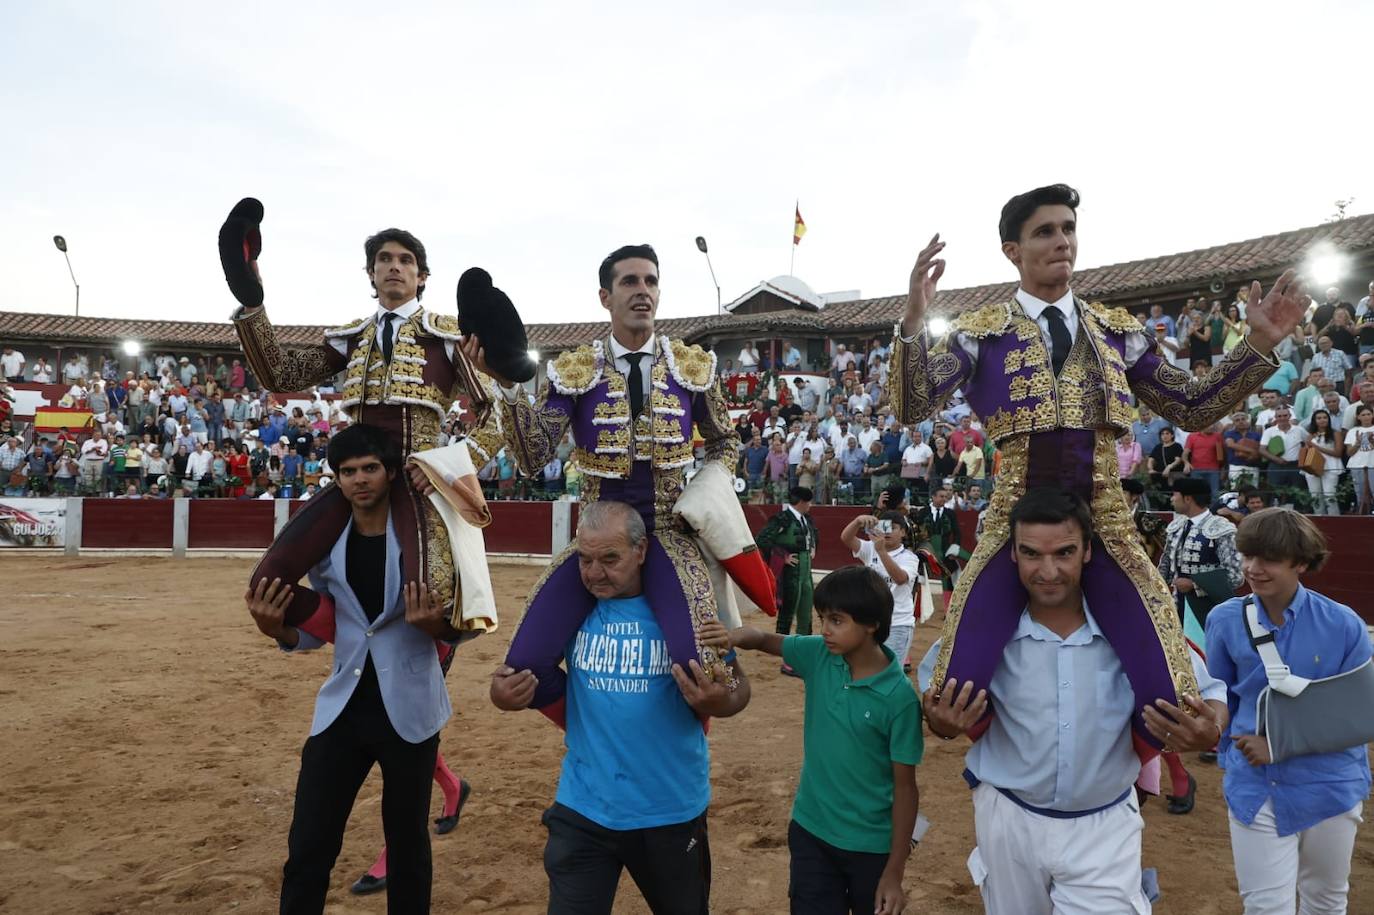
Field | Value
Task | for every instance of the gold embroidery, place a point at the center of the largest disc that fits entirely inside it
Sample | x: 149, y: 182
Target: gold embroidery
x: 283, y: 370
x: 1195, y: 403
x: 609, y: 439
x: 695, y: 581
x: 1013, y: 362
x: 575, y: 371
x: 600, y: 465
x: 617, y: 410
x: 986, y: 321
x: 1040, y: 383
x: 692, y: 366
x: 1118, y: 320
x: 942, y: 366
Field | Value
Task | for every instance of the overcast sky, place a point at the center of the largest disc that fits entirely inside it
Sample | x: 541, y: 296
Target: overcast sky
x: 532, y: 138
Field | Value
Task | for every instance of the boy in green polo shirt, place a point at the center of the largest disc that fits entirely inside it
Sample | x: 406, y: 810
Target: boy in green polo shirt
x: 856, y: 804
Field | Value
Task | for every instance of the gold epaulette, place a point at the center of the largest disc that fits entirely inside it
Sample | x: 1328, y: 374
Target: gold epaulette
x: 576, y: 371
x: 693, y: 367
x: 985, y: 321
x: 1115, y: 319
x: 442, y: 326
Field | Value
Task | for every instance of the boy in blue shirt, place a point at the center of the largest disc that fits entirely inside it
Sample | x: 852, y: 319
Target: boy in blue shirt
x: 856, y: 805
x: 1293, y: 822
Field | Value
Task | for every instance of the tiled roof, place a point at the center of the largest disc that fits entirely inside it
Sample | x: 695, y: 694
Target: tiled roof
x: 1180, y: 274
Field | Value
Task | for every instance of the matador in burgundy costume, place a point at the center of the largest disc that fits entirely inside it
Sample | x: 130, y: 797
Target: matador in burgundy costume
x: 631, y: 401
x: 1051, y: 378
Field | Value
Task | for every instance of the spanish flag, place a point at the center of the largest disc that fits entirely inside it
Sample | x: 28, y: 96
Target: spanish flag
x: 798, y: 228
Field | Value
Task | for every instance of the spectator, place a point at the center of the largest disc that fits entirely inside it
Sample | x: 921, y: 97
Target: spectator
x: 966, y: 431
x: 970, y: 461
x: 1204, y: 454
x: 65, y: 473
x: 774, y: 425
x: 805, y: 438
x: 72, y: 372
x: 1169, y: 346
x: 214, y: 415
x: 553, y: 476
x: 828, y: 478
x: 916, y: 462
x: 971, y: 500
x: 1359, y: 453
x: 754, y: 458
x: 199, y: 464
x: 943, y: 463
x: 1236, y: 328
x: 859, y: 401
x: 867, y: 433
x: 1146, y: 430
x: 1366, y: 393
x: 807, y: 396
x: 1329, y: 360
x: 270, y: 492
x: 1309, y: 397
x: 1322, y: 486
x: 853, y: 459
x: 876, y: 470
x: 12, y: 466
x: 1199, y: 338
x: 1270, y: 401
x: 843, y: 361
x: 40, y: 467
x: 1166, y: 460
x: 840, y: 435
x: 1129, y: 456
x: 1336, y: 405
x: 749, y: 357
x: 1344, y: 338
x: 808, y: 469
x: 791, y: 356
x: 94, y: 452
x: 1157, y: 316
x: 12, y: 364
x: 775, y: 470
x: 884, y: 552
x: 1242, y: 444
x: 1283, y: 457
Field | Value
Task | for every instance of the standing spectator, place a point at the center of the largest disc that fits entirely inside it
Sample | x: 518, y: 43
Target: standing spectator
x: 853, y: 460
x: 199, y: 469
x: 1283, y: 457
x: 1359, y: 453
x: 828, y: 477
x: 40, y: 461
x: 1204, y: 455
x: 806, y: 439
x: 970, y: 461
x: 749, y: 357
x: 292, y: 469
x: 65, y: 473
x: 843, y: 361
x: 867, y: 433
x: 236, y: 376
x: 1169, y: 346
x: 96, y: 400
x: 115, y: 466
x: 791, y: 356
x: 775, y: 470
x: 1284, y: 380
x: 553, y: 476
x: 774, y: 425
x: 1322, y: 486
x: 1146, y: 429
x: 1309, y: 397
x: 808, y: 470
x: 859, y: 401
x: 1216, y: 323
x: 1129, y: 457
x: 72, y: 372
x: 12, y: 466
x: 133, y: 463
x: 943, y: 463
x: 1235, y: 325
x: 916, y: 463
x: 154, y: 467
x: 1330, y: 360
x: 186, y: 372
x: 214, y: 415
x: 1157, y: 316
x: 883, y: 551
x: 1293, y: 821
x: 755, y: 457
x: 42, y: 371
x: 877, y: 471
x: 1269, y: 405
x: 1242, y: 444
x: 807, y: 395
x: 958, y: 440
x: 12, y: 364
x: 1166, y: 460
x: 94, y: 452
x: 239, y: 473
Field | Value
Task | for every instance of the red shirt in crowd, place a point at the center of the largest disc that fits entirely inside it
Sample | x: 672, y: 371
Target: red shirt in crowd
x: 957, y: 438
x: 1204, y: 449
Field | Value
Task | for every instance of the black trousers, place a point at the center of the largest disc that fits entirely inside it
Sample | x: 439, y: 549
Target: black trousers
x: 334, y: 764
x: 671, y: 865
x: 826, y: 880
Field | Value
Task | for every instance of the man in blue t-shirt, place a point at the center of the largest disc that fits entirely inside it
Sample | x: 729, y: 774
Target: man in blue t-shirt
x: 635, y: 781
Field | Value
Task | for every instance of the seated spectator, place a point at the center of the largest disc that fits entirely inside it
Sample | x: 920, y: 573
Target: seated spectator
x: 1166, y: 461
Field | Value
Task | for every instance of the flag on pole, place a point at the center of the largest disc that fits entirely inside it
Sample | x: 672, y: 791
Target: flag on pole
x: 798, y: 228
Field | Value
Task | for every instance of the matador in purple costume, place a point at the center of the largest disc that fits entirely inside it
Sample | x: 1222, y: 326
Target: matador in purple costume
x: 1051, y: 377
x: 631, y: 401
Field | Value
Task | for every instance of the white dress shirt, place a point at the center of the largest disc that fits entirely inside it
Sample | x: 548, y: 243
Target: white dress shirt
x: 403, y: 313
x: 622, y: 365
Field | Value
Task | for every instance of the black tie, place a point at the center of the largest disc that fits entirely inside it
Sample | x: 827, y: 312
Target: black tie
x: 1179, y: 547
x: 636, y: 383
x: 1059, y: 336
x: 386, y: 336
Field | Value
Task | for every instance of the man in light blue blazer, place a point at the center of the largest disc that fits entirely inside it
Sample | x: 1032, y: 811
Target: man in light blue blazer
x: 384, y: 701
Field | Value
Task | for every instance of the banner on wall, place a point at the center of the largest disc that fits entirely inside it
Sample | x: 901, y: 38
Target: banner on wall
x: 33, y: 522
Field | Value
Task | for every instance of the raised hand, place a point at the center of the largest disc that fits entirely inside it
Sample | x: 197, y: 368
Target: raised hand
x: 927, y: 272
x: 1274, y: 317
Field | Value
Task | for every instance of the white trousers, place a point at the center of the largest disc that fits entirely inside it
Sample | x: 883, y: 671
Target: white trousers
x: 1312, y: 866
x: 1028, y: 864
x: 1322, y: 487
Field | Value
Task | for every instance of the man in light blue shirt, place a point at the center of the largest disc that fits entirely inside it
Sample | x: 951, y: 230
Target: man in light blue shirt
x: 1146, y: 430
x: 1056, y: 818
x: 1293, y: 822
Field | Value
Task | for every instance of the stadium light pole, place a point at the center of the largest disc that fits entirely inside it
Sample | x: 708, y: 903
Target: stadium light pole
x: 62, y: 246
x: 701, y: 246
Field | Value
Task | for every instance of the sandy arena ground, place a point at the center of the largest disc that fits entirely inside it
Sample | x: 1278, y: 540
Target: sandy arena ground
x: 152, y: 738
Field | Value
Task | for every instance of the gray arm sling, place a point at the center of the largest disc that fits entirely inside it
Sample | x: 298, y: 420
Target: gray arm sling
x: 1299, y: 716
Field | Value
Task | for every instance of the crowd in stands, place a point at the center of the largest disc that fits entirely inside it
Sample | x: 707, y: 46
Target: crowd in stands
x: 201, y: 427
x: 197, y: 428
